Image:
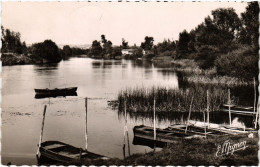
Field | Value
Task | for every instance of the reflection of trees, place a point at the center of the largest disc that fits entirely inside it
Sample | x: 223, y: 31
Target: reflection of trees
x: 46, y: 69
x: 105, y: 64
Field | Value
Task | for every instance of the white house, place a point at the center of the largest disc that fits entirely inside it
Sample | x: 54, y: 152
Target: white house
x: 127, y: 51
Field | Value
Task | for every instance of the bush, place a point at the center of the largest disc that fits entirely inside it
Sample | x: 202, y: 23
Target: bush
x: 241, y: 63
x: 206, y: 56
x: 168, y: 54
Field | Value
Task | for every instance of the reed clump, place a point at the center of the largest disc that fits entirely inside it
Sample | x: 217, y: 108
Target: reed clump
x: 171, y: 100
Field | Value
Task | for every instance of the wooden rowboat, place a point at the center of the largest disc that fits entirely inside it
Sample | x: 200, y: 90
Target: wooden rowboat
x: 66, y: 154
x: 56, y: 91
x: 163, y: 136
x: 56, y: 152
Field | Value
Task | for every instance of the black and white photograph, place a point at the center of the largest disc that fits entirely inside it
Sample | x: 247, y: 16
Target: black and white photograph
x: 127, y: 83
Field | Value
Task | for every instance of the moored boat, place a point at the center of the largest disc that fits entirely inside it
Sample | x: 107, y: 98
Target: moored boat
x: 56, y: 152
x: 163, y: 136
x: 56, y: 91
x: 66, y: 154
x: 41, y: 96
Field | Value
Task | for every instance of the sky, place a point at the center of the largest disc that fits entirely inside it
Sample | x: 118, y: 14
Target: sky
x: 79, y: 23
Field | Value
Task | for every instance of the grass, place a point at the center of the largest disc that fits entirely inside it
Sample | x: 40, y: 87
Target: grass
x: 171, y: 100
x: 193, y: 152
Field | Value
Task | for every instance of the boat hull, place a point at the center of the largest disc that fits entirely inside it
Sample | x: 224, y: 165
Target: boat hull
x: 42, y: 96
x: 143, y: 134
x: 65, y: 154
x: 56, y: 91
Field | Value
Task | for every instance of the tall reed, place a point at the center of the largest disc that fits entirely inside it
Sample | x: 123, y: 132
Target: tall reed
x: 171, y: 100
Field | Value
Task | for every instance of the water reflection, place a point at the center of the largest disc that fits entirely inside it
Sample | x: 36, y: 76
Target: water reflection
x: 165, y: 119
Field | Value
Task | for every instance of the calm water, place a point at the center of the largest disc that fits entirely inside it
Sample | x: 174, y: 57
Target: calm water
x: 98, y: 80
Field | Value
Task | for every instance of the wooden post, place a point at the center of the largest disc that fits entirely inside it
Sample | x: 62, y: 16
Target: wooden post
x: 254, y: 95
x: 256, y: 117
x: 208, y: 107
x: 124, y: 125
x: 189, y: 115
x: 204, y: 118
x: 154, y: 128
x: 229, y: 104
x: 128, y: 144
x: 40, y: 141
x: 86, y: 132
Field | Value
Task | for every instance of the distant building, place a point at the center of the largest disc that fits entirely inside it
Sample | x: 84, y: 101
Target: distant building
x: 127, y: 51
x: 146, y: 52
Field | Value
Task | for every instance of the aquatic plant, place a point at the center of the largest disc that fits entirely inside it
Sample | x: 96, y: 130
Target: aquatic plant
x: 171, y: 100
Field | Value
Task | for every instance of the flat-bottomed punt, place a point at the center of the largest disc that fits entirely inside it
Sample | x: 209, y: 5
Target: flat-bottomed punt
x: 144, y: 135
x: 56, y: 91
x: 66, y: 154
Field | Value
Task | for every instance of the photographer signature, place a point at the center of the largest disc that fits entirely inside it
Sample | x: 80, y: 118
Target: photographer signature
x: 228, y: 148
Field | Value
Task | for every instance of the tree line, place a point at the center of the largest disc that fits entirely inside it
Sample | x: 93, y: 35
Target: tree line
x: 223, y: 41
x: 46, y: 51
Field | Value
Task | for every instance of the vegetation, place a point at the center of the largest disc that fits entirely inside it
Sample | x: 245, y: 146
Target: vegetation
x: 11, y: 42
x: 224, y: 41
x: 186, y: 152
x: 106, y: 51
x: 171, y: 100
x: 46, y: 51
x: 67, y: 51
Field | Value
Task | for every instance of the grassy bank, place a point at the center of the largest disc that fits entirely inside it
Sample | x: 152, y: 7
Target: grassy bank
x: 196, y: 75
x: 194, y: 152
x: 171, y: 100
x: 15, y: 59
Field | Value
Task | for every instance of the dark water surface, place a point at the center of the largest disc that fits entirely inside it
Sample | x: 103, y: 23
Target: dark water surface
x: 98, y: 80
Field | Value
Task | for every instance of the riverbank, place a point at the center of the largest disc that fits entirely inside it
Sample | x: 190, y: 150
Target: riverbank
x: 15, y: 59
x: 196, y: 152
x: 196, y: 75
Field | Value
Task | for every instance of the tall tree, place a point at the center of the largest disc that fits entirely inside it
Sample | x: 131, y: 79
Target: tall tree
x: 124, y: 44
x: 96, y: 49
x: 250, y: 20
x: 182, y: 47
x: 148, y: 43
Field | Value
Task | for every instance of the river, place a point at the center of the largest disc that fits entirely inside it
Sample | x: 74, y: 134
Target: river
x: 98, y: 80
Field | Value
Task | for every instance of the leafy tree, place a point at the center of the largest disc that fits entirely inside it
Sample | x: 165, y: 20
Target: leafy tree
x: 67, y: 51
x: 166, y: 45
x: 182, y: 47
x: 96, y: 49
x: 103, y: 39
x: 116, y: 52
x: 46, y: 50
x: 124, y: 44
x: 226, y: 21
x: 148, y: 43
x: 11, y: 41
x: 250, y: 24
